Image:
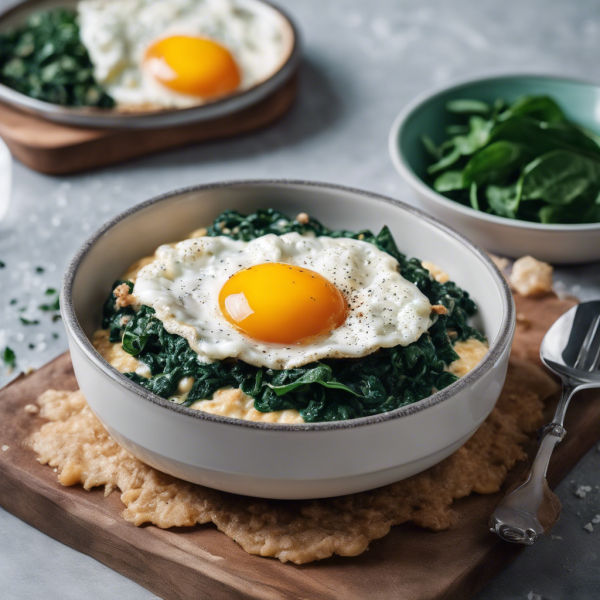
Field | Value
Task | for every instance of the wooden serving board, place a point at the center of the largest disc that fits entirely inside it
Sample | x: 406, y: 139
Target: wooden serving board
x: 58, y: 149
x: 199, y: 562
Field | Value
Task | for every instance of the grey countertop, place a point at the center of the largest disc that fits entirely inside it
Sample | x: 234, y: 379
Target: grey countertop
x: 363, y: 62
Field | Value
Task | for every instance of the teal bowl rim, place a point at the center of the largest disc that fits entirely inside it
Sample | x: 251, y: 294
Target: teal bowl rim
x: 407, y: 173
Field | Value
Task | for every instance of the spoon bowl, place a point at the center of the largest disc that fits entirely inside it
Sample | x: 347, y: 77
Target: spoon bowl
x: 571, y: 348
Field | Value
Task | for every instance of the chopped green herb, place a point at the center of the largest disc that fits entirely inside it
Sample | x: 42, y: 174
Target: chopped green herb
x: 40, y: 270
x: 50, y: 307
x: 45, y: 59
x: 56, y: 318
x: 328, y: 390
x: 55, y: 335
x: 521, y: 161
x: 29, y: 321
x: 9, y: 358
x: 13, y: 301
x: 50, y: 292
x: 2, y: 264
x: 31, y: 346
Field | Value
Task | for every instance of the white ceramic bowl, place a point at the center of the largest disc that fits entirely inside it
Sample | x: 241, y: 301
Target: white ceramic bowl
x: 109, y: 118
x: 271, y: 460
x: 559, y: 244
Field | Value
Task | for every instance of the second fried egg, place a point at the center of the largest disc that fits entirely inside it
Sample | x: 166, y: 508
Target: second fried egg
x: 177, y: 53
x: 282, y: 301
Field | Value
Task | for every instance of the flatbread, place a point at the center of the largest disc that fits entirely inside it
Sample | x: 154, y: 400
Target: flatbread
x: 75, y: 443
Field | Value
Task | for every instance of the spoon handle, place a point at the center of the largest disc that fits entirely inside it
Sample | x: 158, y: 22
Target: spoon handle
x: 518, y: 516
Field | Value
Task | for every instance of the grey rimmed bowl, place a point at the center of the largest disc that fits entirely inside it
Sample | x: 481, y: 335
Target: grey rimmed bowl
x: 111, y: 118
x: 272, y: 460
x: 427, y: 115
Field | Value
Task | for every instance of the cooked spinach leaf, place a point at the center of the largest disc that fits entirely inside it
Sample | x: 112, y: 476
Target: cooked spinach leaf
x: 45, y: 59
x: 322, y: 391
x: 526, y: 160
x: 113, y: 318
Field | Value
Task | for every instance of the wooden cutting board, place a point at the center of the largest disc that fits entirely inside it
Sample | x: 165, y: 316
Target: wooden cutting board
x: 58, y: 149
x: 200, y: 562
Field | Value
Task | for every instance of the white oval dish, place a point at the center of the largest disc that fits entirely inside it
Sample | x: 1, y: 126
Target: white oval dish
x: 558, y: 244
x: 110, y: 118
x: 272, y: 460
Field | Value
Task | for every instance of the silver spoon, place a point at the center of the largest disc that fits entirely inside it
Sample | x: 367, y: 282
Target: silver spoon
x: 571, y: 348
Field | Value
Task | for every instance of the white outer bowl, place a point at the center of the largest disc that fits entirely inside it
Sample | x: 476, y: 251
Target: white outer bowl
x: 270, y: 460
x: 558, y: 244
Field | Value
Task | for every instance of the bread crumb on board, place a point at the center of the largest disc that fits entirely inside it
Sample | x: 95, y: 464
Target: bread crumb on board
x: 531, y: 277
x: 527, y: 276
x: 74, y: 442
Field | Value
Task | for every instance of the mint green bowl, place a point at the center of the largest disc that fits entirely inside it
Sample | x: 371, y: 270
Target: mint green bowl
x: 560, y: 244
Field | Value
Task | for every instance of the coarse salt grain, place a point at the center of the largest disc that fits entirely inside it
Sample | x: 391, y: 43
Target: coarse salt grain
x: 582, y: 490
x: 4, y: 448
x: 589, y: 527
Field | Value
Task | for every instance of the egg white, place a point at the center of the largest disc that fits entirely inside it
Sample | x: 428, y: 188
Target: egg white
x: 117, y: 34
x: 183, y: 283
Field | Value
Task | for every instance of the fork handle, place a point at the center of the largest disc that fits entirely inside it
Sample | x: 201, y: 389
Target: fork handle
x: 517, y: 517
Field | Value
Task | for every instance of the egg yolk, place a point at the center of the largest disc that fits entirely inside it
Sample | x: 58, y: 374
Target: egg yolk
x: 193, y: 66
x: 282, y: 304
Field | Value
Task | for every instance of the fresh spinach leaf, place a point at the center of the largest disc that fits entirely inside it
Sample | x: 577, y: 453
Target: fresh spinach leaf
x: 524, y: 158
x: 503, y: 200
x: 495, y: 164
x: 468, y: 107
x: 449, y: 181
x: 559, y: 177
x: 542, y: 108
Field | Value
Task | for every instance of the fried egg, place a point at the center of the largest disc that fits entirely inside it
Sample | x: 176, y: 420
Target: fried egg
x: 177, y: 53
x: 282, y: 301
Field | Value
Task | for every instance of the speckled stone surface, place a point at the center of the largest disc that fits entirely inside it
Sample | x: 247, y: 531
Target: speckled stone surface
x: 364, y: 62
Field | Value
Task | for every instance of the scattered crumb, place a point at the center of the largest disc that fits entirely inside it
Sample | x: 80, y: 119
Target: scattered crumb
x: 533, y: 596
x: 556, y: 537
x: 523, y: 321
x: 596, y: 520
x: 198, y: 232
x: 303, y: 218
x: 439, y: 309
x: 32, y: 409
x: 29, y: 370
x: 531, y: 277
x: 436, y: 272
x: 589, y: 527
x: 5, y: 448
x: 582, y: 490
x: 560, y: 289
x: 501, y: 263
x: 123, y: 297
